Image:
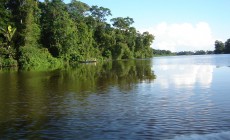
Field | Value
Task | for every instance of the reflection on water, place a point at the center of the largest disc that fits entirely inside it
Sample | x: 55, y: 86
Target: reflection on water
x: 183, y: 76
x: 33, y: 103
x: 163, y: 98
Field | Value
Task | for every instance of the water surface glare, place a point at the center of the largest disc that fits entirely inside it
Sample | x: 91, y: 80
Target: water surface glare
x: 177, y: 98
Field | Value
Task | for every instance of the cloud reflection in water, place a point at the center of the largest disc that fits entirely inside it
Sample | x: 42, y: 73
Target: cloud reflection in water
x: 184, y: 76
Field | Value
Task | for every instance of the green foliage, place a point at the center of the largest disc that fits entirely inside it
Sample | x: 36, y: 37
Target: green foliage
x: 40, y: 58
x: 8, y: 36
x: 200, y: 52
x: 162, y: 52
x: 122, y: 23
x: 107, y: 54
x: 122, y: 51
x: 100, y: 13
x: 7, y: 53
x: 5, y: 14
x: 59, y: 33
x: 78, y: 10
x: 219, y: 47
x: 51, y: 31
x: 31, y: 30
x: 8, y: 62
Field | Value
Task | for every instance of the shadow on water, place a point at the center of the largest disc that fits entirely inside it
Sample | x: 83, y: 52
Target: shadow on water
x: 31, y: 103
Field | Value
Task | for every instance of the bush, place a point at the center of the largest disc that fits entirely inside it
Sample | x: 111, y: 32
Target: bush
x: 8, y: 62
x: 31, y: 57
x: 7, y: 53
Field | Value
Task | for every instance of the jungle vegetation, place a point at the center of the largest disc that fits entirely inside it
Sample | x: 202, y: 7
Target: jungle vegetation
x: 52, y: 33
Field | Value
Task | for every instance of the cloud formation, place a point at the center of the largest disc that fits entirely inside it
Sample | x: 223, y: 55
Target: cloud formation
x: 182, y: 36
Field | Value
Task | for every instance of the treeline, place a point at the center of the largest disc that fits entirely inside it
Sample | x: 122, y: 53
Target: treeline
x: 222, y: 48
x: 157, y: 52
x: 50, y: 33
x: 199, y: 52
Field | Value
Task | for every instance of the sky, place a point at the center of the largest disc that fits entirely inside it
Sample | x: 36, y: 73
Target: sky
x: 178, y: 25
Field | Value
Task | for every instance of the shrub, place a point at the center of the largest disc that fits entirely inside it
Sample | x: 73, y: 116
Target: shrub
x: 31, y: 57
x: 8, y: 62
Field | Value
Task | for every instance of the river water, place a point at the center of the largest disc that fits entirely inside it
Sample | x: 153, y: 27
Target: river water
x: 176, y: 97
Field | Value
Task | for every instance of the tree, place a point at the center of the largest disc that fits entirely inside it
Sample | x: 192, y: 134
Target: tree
x: 219, y: 47
x: 122, y: 23
x: 143, y: 43
x: 100, y: 13
x: 71, y: 32
x: 78, y: 10
x: 31, y: 31
x: 59, y: 33
x: 227, y: 46
x: 147, y: 39
x: 200, y: 52
x: 25, y: 15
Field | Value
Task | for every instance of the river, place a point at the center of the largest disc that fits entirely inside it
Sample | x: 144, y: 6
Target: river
x: 175, y: 97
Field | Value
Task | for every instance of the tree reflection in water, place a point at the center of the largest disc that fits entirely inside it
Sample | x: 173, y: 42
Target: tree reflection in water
x: 32, y: 102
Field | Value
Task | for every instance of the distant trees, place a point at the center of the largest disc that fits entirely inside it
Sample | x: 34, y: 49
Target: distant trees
x: 162, y: 52
x: 227, y: 46
x: 198, y: 52
x: 221, y: 48
x: 167, y: 52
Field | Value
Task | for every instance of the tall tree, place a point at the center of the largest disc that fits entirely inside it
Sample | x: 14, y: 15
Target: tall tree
x: 25, y: 15
x: 122, y: 23
x: 100, y: 13
x: 31, y: 29
x: 59, y: 32
x: 78, y: 10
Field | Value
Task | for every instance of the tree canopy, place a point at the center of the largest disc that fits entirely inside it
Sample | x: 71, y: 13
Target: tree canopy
x: 222, y: 48
x: 34, y: 33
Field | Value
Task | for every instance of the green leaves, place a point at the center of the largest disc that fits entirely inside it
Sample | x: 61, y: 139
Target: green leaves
x: 59, y: 32
x: 100, y: 13
x: 69, y: 32
x: 122, y: 23
x: 8, y: 34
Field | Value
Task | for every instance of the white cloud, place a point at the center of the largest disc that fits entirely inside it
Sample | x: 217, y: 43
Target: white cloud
x: 182, y: 36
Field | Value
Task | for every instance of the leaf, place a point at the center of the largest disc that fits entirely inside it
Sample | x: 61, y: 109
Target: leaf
x: 9, y: 28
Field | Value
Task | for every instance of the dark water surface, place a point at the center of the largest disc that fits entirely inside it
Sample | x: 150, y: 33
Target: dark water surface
x: 186, y: 97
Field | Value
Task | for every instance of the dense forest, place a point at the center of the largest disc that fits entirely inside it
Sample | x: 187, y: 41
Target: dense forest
x: 52, y: 33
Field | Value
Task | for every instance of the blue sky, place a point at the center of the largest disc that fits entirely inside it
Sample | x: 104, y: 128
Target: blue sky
x: 177, y: 24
